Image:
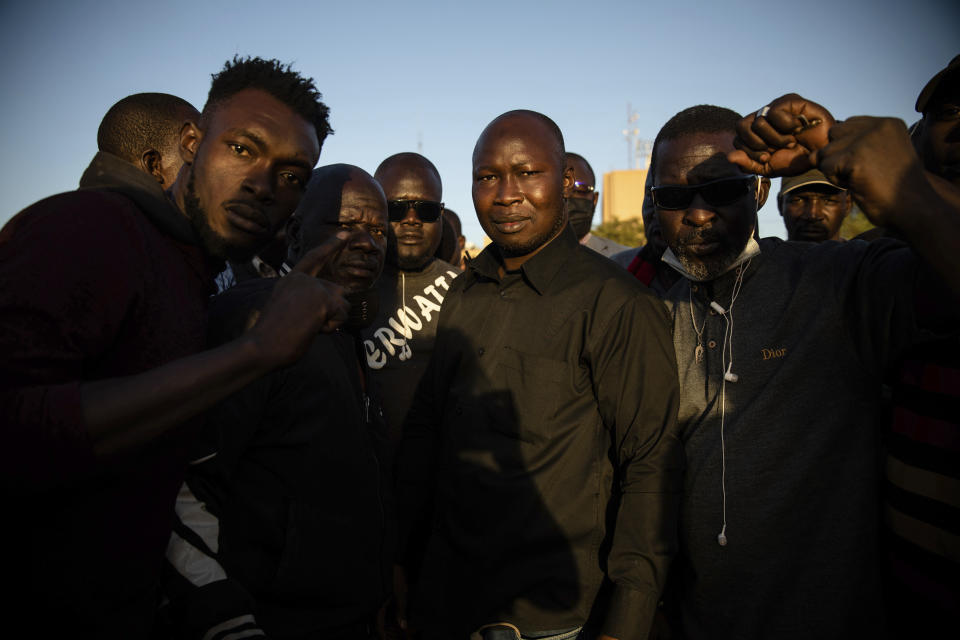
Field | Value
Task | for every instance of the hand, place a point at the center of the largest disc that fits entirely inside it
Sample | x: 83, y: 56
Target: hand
x: 300, y: 306
x: 780, y: 141
x: 875, y: 160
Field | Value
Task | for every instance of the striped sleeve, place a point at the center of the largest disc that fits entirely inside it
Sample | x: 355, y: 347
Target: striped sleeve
x: 203, y: 602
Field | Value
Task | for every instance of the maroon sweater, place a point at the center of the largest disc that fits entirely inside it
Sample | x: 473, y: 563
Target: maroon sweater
x: 90, y: 288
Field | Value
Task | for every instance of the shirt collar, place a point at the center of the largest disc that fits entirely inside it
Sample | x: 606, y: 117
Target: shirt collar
x: 538, y: 271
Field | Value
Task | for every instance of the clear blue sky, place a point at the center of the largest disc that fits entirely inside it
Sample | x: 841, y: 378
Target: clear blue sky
x: 403, y: 75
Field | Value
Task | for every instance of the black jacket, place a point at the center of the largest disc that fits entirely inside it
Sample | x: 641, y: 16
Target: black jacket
x: 295, y: 525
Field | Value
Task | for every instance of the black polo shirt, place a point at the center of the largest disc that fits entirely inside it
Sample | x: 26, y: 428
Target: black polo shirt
x: 546, y: 427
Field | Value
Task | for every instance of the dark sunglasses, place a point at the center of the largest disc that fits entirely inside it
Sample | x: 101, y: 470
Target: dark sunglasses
x: 717, y: 193
x: 427, y: 210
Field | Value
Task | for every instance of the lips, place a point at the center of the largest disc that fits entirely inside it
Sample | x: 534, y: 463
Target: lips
x: 508, y: 225
x: 247, y: 217
x: 409, y: 237
x: 703, y: 248
x: 811, y: 232
x: 701, y: 243
x: 361, y: 266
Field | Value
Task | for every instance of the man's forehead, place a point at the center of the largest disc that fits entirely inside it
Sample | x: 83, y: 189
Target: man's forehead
x: 819, y: 189
x: 359, y: 196
x: 515, y: 134
x: 409, y: 178
x: 360, y: 200
x: 695, y: 158
x: 257, y: 112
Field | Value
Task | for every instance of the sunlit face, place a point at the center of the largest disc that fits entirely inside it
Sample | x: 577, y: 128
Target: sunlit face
x: 248, y: 171
x: 814, y: 213
x: 518, y: 184
x: 412, y: 243
x: 363, y: 214
x: 705, y: 238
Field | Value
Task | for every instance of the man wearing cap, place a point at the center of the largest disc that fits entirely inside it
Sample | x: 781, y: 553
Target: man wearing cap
x: 414, y: 282
x: 813, y: 208
x: 580, y: 201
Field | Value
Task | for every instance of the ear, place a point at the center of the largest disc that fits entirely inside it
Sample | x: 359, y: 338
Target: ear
x: 190, y: 137
x: 848, y: 198
x: 150, y: 163
x: 596, y: 197
x: 567, y: 181
x: 764, y: 191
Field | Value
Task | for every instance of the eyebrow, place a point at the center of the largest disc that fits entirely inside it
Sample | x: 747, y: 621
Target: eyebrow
x: 260, y: 142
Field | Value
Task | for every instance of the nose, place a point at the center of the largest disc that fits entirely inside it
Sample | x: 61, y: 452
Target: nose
x: 812, y: 209
x: 699, y: 213
x: 259, y: 183
x: 362, y: 240
x: 508, y: 191
x: 411, y: 217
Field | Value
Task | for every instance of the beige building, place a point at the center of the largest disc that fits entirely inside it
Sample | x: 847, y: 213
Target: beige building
x: 622, y: 195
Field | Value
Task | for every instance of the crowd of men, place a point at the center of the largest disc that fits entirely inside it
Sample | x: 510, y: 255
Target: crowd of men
x: 244, y: 397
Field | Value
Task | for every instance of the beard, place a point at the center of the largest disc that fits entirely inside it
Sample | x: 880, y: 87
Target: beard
x: 414, y: 260
x: 521, y: 249
x: 710, y: 266
x: 215, y: 245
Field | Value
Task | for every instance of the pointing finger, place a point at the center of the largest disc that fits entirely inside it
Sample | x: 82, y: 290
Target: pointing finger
x: 320, y: 256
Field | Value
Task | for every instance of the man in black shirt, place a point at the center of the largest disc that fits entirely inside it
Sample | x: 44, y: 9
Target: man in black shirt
x: 545, y: 423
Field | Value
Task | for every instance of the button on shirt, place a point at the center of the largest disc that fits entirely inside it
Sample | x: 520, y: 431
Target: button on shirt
x: 550, y: 399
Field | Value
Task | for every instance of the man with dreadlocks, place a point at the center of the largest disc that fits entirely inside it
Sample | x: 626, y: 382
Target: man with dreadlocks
x: 103, y: 297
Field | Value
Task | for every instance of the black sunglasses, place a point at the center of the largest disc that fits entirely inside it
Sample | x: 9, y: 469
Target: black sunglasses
x: 717, y: 193
x: 427, y: 210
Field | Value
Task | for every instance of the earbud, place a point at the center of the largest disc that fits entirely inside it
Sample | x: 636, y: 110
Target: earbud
x: 716, y: 307
x: 730, y: 376
x: 722, y: 538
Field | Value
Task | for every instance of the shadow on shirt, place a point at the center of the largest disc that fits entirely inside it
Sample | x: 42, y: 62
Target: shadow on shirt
x: 480, y: 476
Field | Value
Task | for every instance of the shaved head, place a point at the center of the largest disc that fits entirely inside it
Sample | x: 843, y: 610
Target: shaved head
x: 407, y: 161
x: 520, y: 114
